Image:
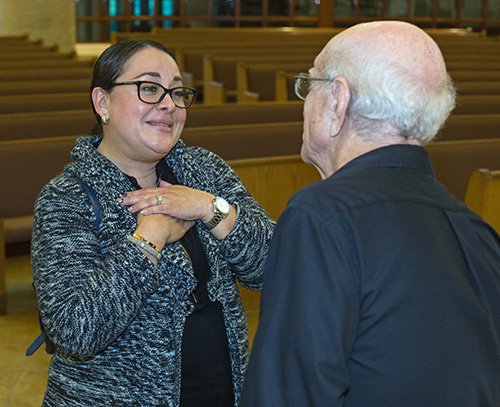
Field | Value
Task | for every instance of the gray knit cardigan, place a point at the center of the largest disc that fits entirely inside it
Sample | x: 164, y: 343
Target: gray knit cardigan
x: 116, y: 318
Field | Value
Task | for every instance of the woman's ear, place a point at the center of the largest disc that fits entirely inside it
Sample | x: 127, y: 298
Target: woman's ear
x: 100, y: 101
x: 341, y: 95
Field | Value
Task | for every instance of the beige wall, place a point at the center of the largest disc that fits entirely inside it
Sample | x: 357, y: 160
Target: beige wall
x: 52, y: 21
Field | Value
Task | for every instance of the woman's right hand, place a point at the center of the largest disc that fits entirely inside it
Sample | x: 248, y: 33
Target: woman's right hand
x: 161, y: 229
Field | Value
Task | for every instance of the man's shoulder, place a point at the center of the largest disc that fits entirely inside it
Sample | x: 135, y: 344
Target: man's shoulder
x: 325, y: 196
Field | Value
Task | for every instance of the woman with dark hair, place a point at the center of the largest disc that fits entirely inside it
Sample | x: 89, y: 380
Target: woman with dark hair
x: 143, y: 305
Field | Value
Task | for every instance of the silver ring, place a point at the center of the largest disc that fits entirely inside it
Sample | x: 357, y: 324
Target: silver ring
x: 159, y: 200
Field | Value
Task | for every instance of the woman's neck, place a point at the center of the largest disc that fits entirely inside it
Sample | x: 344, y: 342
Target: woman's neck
x: 143, y: 172
x: 147, y: 181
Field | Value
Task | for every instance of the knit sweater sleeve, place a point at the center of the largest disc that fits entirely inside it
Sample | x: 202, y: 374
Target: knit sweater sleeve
x: 246, y: 246
x: 86, y: 299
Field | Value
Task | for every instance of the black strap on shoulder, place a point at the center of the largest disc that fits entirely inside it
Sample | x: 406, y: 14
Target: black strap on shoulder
x: 95, y: 203
x: 42, y: 338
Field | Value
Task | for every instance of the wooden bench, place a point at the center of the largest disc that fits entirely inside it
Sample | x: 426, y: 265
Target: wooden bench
x: 483, y: 195
x: 45, y: 63
x: 44, y: 102
x: 30, y: 164
x: 455, y: 161
x: 254, y: 113
x: 272, y: 178
x: 477, y: 104
x: 470, y: 126
x: 262, y: 75
x: 19, y: 55
x: 45, y: 86
x: 185, y: 37
x: 206, y: 64
x: 228, y: 72
x: 52, y: 74
x: 45, y: 124
x: 473, y: 64
x: 478, y: 87
x: 476, y: 75
x: 210, y: 119
x: 266, y: 82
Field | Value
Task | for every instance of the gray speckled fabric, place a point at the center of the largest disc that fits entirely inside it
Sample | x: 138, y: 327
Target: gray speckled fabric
x: 117, y: 319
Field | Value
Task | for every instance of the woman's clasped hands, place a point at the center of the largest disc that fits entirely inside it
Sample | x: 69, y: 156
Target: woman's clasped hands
x: 176, y: 207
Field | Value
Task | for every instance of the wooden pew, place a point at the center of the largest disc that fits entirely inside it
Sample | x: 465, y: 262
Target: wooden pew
x: 53, y: 74
x: 45, y: 124
x: 45, y: 63
x: 13, y: 39
x: 45, y: 86
x: 477, y: 104
x: 30, y: 164
x: 478, y: 87
x: 277, y: 81
x: 273, y: 180
x: 3, y: 298
x: 470, y: 126
x: 476, y: 75
x: 254, y: 113
x: 443, y: 37
x: 19, y: 55
x: 199, y: 61
x: 44, y: 102
x: 455, y: 161
x: 23, y: 45
x: 478, y: 56
x: 483, y: 195
x: 473, y: 64
x: 175, y: 37
x: 225, y: 113
x: 210, y: 119
x: 247, y: 74
x: 228, y: 71
x: 266, y: 169
x: 263, y: 82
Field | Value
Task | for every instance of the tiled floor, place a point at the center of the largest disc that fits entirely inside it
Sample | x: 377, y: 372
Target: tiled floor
x: 23, y: 379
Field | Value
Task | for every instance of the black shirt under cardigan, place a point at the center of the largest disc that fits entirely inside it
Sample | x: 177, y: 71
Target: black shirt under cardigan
x: 206, y: 378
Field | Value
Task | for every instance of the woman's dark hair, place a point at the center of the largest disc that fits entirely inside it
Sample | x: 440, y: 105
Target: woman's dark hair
x: 110, y: 64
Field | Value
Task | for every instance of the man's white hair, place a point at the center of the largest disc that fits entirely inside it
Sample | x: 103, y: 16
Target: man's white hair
x: 387, y: 98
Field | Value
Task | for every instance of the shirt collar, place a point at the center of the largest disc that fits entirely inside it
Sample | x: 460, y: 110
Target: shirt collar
x: 393, y: 156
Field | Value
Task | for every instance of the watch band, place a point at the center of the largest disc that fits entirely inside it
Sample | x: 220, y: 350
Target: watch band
x: 218, y: 215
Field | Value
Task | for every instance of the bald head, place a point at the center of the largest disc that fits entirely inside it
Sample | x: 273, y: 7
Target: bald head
x: 399, y: 44
x: 396, y: 74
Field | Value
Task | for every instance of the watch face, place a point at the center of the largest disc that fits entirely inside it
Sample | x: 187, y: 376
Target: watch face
x: 222, y: 205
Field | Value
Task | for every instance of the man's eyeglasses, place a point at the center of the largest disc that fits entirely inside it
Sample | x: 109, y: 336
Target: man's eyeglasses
x: 303, y: 84
x: 153, y: 93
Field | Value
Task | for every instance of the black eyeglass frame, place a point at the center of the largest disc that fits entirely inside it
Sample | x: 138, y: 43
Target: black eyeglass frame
x: 165, y: 92
x: 304, y: 77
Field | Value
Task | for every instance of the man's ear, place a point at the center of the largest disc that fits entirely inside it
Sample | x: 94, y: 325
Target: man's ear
x: 341, y: 95
x: 100, y: 101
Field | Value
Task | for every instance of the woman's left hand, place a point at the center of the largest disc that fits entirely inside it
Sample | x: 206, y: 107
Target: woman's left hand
x: 175, y: 200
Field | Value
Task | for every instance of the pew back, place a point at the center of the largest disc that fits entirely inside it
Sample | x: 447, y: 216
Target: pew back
x: 455, y: 161
x: 483, y: 195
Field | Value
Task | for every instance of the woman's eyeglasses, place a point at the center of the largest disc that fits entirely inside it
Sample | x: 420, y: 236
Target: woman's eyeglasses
x: 153, y: 93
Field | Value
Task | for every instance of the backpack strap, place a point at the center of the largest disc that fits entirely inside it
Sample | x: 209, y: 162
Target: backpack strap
x: 95, y: 203
x: 40, y: 339
x: 49, y: 346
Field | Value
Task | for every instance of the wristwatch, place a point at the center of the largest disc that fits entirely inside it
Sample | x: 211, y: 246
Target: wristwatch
x: 221, y: 210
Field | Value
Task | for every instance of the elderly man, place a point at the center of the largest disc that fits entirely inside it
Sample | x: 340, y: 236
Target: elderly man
x: 381, y: 289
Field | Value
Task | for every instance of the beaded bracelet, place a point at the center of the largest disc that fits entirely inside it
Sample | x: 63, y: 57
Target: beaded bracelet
x: 146, y: 245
